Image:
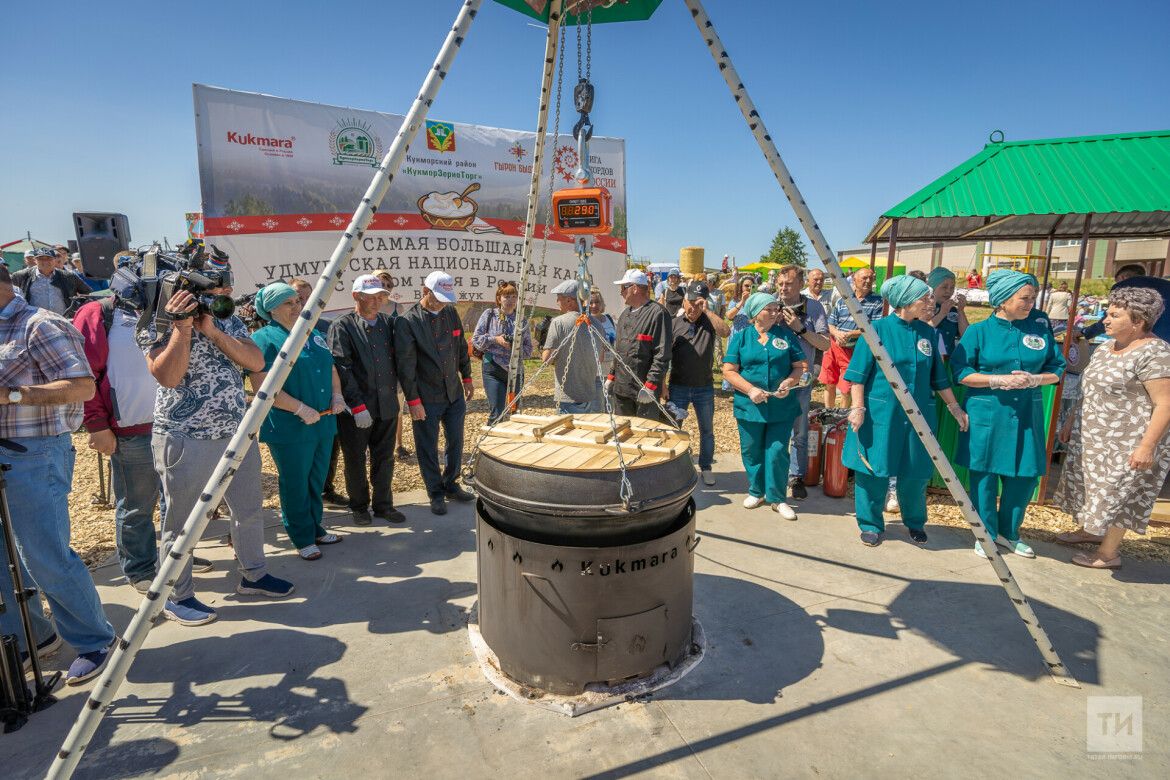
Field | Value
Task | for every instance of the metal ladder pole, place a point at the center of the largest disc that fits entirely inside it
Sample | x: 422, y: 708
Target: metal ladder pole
x: 707, y: 30
x: 127, y: 647
x: 550, y: 60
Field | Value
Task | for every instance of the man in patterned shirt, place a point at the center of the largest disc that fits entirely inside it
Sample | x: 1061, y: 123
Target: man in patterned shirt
x: 196, y: 359
x: 44, y: 380
x: 845, y: 333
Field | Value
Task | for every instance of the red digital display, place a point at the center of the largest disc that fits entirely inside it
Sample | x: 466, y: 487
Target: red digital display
x: 584, y: 211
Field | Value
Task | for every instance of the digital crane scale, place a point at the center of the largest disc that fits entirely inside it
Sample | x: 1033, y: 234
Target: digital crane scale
x: 584, y: 211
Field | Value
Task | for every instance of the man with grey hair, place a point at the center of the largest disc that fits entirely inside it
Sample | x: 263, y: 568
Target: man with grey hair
x: 575, y: 370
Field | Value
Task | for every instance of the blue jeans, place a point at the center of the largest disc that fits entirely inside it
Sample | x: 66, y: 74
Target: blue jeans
x: 496, y: 391
x: 703, y: 399
x: 440, y: 478
x: 799, y: 454
x: 136, y: 492
x: 38, y: 500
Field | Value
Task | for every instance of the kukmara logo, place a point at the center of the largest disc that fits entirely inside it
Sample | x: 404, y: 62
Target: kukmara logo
x: 925, y: 347
x: 353, y: 142
x: 440, y: 136
x: 269, y: 146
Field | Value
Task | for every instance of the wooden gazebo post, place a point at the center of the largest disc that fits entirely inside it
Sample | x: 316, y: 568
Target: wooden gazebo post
x: 890, y: 255
x: 1054, y: 417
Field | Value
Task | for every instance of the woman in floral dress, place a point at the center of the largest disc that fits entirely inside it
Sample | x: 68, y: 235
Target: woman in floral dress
x: 1119, y: 454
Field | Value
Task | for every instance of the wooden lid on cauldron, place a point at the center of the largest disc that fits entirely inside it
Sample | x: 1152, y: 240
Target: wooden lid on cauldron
x: 582, y: 442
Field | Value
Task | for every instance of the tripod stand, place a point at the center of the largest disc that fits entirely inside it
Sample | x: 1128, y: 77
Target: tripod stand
x: 16, y: 701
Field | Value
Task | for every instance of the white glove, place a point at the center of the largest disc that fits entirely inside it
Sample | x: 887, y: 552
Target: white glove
x: 607, y: 387
x: 363, y: 419
x: 308, y: 416
x: 338, y: 404
x: 1006, y: 382
x: 646, y: 395
x: 959, y: 415
x: 856, y: 417
x: 1030, y: 380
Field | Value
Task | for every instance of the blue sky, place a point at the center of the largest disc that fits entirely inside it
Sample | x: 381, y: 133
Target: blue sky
x: 868, y: 101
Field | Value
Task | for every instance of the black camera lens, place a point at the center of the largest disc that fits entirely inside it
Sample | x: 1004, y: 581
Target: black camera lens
x: 222, y: 307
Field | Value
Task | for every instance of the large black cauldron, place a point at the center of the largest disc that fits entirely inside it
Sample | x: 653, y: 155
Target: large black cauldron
x: 584, y: 507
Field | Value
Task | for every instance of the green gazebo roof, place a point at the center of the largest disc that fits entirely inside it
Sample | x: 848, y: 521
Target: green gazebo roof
x: 1034, y: 189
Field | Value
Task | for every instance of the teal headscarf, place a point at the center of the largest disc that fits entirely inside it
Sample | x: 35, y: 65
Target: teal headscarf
x: 268, y: 298
x: 904, y: 290
x: 1004, y: 283
x: 939, y: 275
x: 756, y: 303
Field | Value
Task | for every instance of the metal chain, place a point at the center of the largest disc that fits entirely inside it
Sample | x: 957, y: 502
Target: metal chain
x: 588, y: 45
x: 552, y: 170
x: 577, y: 24
x: 626, y: 490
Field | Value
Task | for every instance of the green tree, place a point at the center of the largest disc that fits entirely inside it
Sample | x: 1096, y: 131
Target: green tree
x: 787, y: 247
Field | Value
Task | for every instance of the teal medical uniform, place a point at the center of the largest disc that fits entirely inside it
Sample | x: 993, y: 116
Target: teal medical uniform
x: 765, y: 430
x: 948, y: 329
x: 301, y: 452
x: 886, y: 445
x: 1004, y: 448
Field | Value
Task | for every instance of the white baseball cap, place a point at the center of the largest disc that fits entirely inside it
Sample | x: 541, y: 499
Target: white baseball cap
x: 368, y: 284
x: 442, y: 285
x: 634, y: 276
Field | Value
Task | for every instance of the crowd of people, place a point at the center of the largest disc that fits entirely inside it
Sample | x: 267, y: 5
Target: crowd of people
x: 162, y: 399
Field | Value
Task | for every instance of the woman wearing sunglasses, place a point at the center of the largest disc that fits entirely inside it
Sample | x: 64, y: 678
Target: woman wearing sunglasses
x: 880, y: 443
x: 763, y: 363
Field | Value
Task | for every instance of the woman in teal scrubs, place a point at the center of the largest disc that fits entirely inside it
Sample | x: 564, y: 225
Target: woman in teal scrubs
x: 763, y: 363
x: 298, y: 435
x: 1003, y: 361
x: 950, y: 320
x: 880, y: 443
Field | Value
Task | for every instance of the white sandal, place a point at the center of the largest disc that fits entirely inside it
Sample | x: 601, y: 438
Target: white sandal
x: 310, y: 553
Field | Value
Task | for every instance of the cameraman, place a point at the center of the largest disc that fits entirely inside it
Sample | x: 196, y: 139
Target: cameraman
x: 44, y: 380
x: 200, y: 403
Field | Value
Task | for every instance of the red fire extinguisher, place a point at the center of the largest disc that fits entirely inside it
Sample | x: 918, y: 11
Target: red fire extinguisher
x: 815, y: 450
x: 836, y: 475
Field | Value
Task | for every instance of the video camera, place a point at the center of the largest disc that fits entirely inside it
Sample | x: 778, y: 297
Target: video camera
x: 147, y: 284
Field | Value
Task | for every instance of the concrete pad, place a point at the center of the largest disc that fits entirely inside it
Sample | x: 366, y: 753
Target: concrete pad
x: 825, y: 658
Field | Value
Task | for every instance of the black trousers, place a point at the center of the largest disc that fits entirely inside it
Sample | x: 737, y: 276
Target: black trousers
x: 371, y: 448
x: 630, y: 407
x: 426, y: 443
x: 330, y: 477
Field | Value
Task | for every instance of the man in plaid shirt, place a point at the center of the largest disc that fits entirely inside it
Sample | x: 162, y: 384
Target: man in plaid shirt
x: 44, y: 380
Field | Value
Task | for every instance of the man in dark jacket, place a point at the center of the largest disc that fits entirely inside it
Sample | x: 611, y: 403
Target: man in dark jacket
x: 643, y: 345
x: 48, y: 287
x: 435, y: 371
x: 362, y: 343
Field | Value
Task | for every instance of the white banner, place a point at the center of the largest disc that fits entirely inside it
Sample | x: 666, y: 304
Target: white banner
x: 280, y: 180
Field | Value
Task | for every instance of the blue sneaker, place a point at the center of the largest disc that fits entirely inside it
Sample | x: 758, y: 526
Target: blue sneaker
x: 189, y: 612
x: 270, y: 586
x: 87, y: 666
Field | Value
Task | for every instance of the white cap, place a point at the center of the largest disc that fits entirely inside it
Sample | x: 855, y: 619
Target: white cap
x: 634, y: 276
x: 674, y: 272
x: 442, y: 285
x: 368, y: 284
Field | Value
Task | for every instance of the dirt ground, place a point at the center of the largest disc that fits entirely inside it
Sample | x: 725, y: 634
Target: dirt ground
x: 93, y: 522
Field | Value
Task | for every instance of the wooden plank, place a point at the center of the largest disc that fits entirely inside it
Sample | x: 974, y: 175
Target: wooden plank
x: 509, y: 433
x: 516, y: 455
x: 540, y: 456
x: 581, y: 455
x: 557, y: 460
x: 502, y: 450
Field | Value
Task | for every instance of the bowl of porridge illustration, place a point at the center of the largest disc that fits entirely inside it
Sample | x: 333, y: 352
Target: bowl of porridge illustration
x: 449, y: 210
